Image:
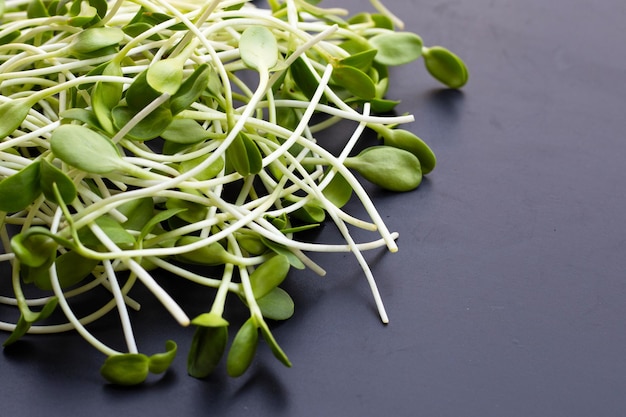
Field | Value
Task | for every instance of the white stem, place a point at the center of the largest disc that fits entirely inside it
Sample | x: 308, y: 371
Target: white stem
x: 121, y: 307
x: 144, y: 277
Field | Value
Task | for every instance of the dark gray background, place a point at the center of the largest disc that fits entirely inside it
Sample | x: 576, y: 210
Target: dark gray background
x: 508, y: 295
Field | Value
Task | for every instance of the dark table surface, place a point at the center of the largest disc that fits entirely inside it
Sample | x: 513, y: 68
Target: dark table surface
x: 508, y: 294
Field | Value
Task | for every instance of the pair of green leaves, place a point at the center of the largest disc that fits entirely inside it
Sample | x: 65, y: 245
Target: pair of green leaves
x: 82, y: 13
x: 211, y: 339
x: 134, y: 368
x: 399, y: 48
x: 211, y: 335
x: 258, y: 49
x: 36, y: 249
x: 274, y: 302
x: 19, y: 190
x: 147, y: 87
x: 349, y: 73
x: 243, y: 156
x: 403, y: 139
x: 245, y: 344
x: 113, y: 114
x: 363, y: 74
x: 87, y: 13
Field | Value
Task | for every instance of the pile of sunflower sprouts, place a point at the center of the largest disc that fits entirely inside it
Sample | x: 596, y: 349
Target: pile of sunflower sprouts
x: 132, y: 140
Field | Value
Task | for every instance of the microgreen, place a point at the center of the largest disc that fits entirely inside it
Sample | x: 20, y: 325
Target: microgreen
x: 396, y: 48
x: 132, y: 139
x: 85, y: 149
x: 445, y: 66
x: 391, y: 168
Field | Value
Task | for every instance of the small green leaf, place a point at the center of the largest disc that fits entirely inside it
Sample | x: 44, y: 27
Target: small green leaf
x: 276, y: 349
x: 155, y: 18
x: 388, y: 167
x: 105, y: 96
x: 255, y: 159
x: 191, y: 89
x: 206, y: 351
x: 50, y: 176
x: 185, y: 131
x: 82, y: 13
x: 36, y: 9
x: 138, y: 28
x: 311, y: 212
x: 243, y: 349
x: 355, y: 45
x: 355, y: 81
x: 304, y: 79
x: 210, y: 172
x: 34, y: 250
x: 213, y: 254
x: 299, y: 229
x: 378, y: 20
x: 276, y: 305
x: 189, y: 211
x: 81, y: 115
x: 21, y: 328
x: 160, y: 362
x: 251, y: 243
x: 397, y: 48
x: 166, y: 75
x: 258, y: 48
x: 338, y: 191
x: 154, y: 221
x: 28, y: 317
x: 269, y: 275
x: 244, y: 156
x: 112, y: 228
x: 282, y: 250
x: 12, y: 114
x: 150, y: 127
x: 209, y: 320
x: 280, y: 222
x: 360, y: 60
x: 138, y: 212
x: 382, y: 106
x: 101, y: 6
x: 10, y: 37
x: 237, y: 157
x: 445, y: 66
x: 382, y: 21
x: 139, y: 94
x: 126, y: 369
x: 403, y: 139
x: 115, y: 231
x: 85, y: 149
x: 95, y: 39
x: 20, y: 189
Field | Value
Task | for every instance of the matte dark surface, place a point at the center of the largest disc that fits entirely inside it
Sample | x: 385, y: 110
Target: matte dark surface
x: 508, y: 295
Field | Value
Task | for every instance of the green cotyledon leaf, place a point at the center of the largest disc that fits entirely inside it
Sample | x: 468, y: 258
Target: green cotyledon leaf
x: 19, y: 190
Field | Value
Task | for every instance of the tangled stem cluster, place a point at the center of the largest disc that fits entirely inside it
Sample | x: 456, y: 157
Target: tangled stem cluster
x: 132, y: 139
